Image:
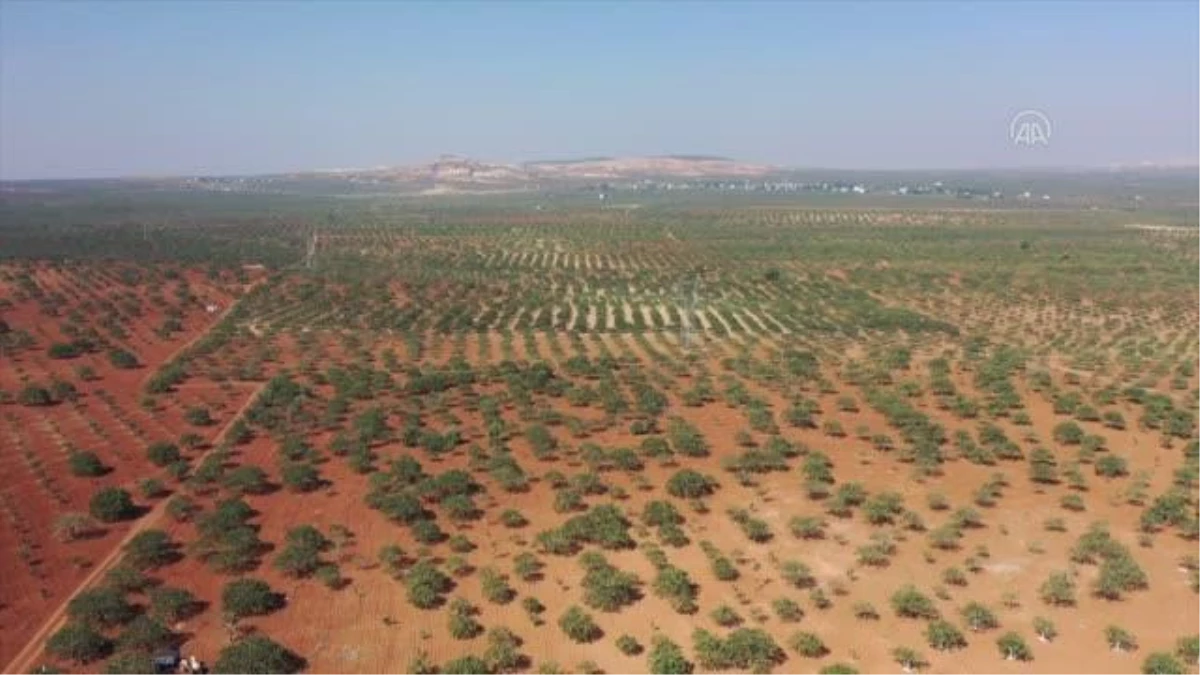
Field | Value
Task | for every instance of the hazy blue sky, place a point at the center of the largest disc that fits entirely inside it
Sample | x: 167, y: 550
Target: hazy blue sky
x: 102, y: 89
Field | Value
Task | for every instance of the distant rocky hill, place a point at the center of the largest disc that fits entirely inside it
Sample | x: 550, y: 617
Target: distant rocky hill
x: 637, y: 167
x: 452, y: 172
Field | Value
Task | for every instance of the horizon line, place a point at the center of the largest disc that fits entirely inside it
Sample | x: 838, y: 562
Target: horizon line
x: 769, y: 167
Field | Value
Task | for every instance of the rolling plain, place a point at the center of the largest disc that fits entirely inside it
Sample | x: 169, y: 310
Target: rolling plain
x: 523, y: 434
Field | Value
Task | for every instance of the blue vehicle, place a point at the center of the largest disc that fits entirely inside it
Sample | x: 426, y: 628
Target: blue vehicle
x: 166, y: 661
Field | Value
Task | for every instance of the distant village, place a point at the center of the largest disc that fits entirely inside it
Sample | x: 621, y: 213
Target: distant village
x: 646, y: 186
x: 837, y: 187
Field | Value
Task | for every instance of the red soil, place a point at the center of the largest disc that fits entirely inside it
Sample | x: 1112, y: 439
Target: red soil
x: 369, y: 626
x: 107, y: 419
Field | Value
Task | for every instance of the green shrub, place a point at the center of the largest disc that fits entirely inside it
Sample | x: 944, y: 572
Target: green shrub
x: 808, y: 645
x: 883, y: 508
x: 79, y: 643
x: 787, y: 610
x: 300, y: 476
x: 605, y: 587
x: 173, y: 604
x: 1068, y: 433
x: 865, y: 611
x: 198, y: 416
x: 1072, y: 502
x: 744, y: 648
x: 247, y: 479
x: 943, y: 636
x: 1187, y: 648
x: 86, y: 464
x: 1044, y: 628
x: 689, y: 484
x: 125, y: 663
x: 495, y: 586
x: 953, y: 576
x: 1162, y: 662
x: 111, y: 505
x: 181, y: 509
x: 807, y: 527
x: 145, y: 634
x: 1119, y: 574
x: 465, y: 665
x: 462, y: 623
x: 1111, y: 466
x: 658, y: 512
x: 33, y: 396
x: 426, y: 585
x: 502, y: 654
x: 909, y: 659
x: 257, y: 654
x: 666, y: 658
x: 725, y: 616
x: 64, y: 350
x: 513, y: 518
x: 1119, y: 639
x: 150, y: 549
x: 978, y: 617
x: 301, y: 556
x: 125, y: 579
x: 124, y: 359
x: 249, y: 597
x: 527, y: 566
x: 797, y: 574
x: 686, y: 438
x: 534, y: 608
x: 628, y: 645
x: 163, y: 453
x: 1013, y: 647
x: 427, y: 531
x: 910, y: 603
x: 100, y: 607
x: 579, y: 626
x: 1058, y: 589
x: 460, y: 508
x: 674, y: 585
x: 603, y: 525
x: 755, y: 529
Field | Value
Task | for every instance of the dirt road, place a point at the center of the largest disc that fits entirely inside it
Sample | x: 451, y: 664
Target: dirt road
x: 199, y: 336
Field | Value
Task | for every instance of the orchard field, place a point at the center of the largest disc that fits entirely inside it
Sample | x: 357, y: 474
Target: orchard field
x: 500, y: 435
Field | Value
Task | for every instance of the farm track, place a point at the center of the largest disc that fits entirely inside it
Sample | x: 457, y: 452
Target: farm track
x: 24, y: 660
x: 199, y: 336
